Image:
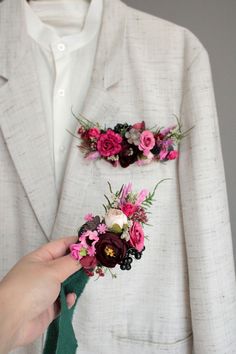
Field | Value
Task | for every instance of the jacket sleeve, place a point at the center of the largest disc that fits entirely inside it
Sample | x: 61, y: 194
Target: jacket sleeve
x: 205, y: 215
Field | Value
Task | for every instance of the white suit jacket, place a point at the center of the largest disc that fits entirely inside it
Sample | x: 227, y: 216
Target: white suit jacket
x: 181, y: 295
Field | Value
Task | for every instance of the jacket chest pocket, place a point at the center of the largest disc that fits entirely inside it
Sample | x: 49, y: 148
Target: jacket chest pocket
x: 146, y: 176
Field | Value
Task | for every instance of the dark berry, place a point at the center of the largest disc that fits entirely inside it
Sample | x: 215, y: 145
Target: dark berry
x: 156, y: 150
x: 122, y: 267
x: 138, y: 255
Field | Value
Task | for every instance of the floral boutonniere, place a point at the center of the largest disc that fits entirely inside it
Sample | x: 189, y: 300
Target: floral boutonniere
x: 126, y: 144
x: 118, y: 236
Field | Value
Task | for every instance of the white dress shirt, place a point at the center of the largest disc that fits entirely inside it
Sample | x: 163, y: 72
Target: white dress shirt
x: 65, y: 37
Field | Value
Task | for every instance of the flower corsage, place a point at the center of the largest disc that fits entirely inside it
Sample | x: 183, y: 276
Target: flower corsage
x: 116, y: 238
x: 126, y: 144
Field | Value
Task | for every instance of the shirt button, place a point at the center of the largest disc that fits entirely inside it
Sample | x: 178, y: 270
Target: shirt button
x: 61, y: 47
x: 61, y: 92
x: 62, y: 148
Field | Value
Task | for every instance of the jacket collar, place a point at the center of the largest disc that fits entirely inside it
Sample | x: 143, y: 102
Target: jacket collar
x: 22, y: 117
x: 15, y: 42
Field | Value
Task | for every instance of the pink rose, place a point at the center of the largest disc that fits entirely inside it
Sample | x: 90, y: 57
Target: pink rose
x: 147, y: 142
x: 109, y: 143
x: 173, y: 155
x: 88, y: 262
x: 93, y: 133
x: 137, y: 236
x: 128, y: 209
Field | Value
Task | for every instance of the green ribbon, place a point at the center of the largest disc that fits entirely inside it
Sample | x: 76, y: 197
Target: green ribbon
x: 60, y: 335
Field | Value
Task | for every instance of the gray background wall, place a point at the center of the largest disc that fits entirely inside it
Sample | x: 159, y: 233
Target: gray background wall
x: 213, y: 22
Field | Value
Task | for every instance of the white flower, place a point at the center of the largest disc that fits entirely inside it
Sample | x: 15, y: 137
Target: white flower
x: 125, y: 235
x: 115, y: 217
x: 133, y: 136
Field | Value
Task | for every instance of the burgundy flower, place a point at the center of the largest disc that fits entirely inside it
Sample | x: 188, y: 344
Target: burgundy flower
x: 109, y: 143
x: 110, y: 249
x: 128, y: 154
x: 88, y: 262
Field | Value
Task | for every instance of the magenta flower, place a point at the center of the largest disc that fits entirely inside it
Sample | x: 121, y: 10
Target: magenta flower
x: 173, y: 155
x: 94, y: 133
x: 147, y: 142
x: 109, y: 143
x: 136, y: 236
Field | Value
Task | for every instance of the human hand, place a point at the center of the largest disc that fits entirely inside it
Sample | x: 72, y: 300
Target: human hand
x: 29, y: 292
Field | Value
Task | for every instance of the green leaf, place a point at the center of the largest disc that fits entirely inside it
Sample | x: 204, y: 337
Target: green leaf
x: 116, y: 228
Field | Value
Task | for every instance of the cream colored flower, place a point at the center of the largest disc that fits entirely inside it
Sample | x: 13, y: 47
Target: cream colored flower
x: 115, y: 218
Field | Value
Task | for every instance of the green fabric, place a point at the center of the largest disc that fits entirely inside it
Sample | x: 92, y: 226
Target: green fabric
x: 60, y: 335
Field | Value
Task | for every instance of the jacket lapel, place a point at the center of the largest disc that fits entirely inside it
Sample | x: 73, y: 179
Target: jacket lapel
x: 23, y: 126
x: 22, y: 119
x: 22, y: 116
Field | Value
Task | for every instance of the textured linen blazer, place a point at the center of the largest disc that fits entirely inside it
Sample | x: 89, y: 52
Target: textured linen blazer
x: 181, y: 297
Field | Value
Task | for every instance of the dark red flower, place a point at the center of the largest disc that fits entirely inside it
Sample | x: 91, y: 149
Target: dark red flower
x: 110, y: 249
x: 128, y: 154
x: 88, y: 262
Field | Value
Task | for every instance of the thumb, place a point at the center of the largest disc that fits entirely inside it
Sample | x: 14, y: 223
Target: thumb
x: 65, y: 266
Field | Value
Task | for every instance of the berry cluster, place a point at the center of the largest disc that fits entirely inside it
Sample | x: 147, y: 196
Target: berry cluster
x: 127, y: 260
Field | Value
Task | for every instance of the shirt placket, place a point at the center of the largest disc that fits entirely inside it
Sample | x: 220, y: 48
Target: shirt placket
x: 61, y: 102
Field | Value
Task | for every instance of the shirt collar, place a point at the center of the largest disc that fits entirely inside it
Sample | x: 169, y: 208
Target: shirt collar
x: 48, y: 38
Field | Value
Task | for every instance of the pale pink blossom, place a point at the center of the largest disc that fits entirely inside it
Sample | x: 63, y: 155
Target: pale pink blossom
x: 88, y: 217
x: 102, y: 228
x: 77, y: 251
x: 163, y: 154
x: 146, y: 160
x: 93, y: 155
x: 167, y: 130
x: 141, y: 197
x: 91, y: 235
x: 127, y: 188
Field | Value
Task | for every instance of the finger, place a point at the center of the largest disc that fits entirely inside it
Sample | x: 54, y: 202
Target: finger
x: 65, y: 266
x: 70, y: 300
x: 54, y: 249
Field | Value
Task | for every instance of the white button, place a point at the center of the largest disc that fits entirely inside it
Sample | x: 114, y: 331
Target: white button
x: 61, y: 92
x: 62, y: 148
x: 61, y: 47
